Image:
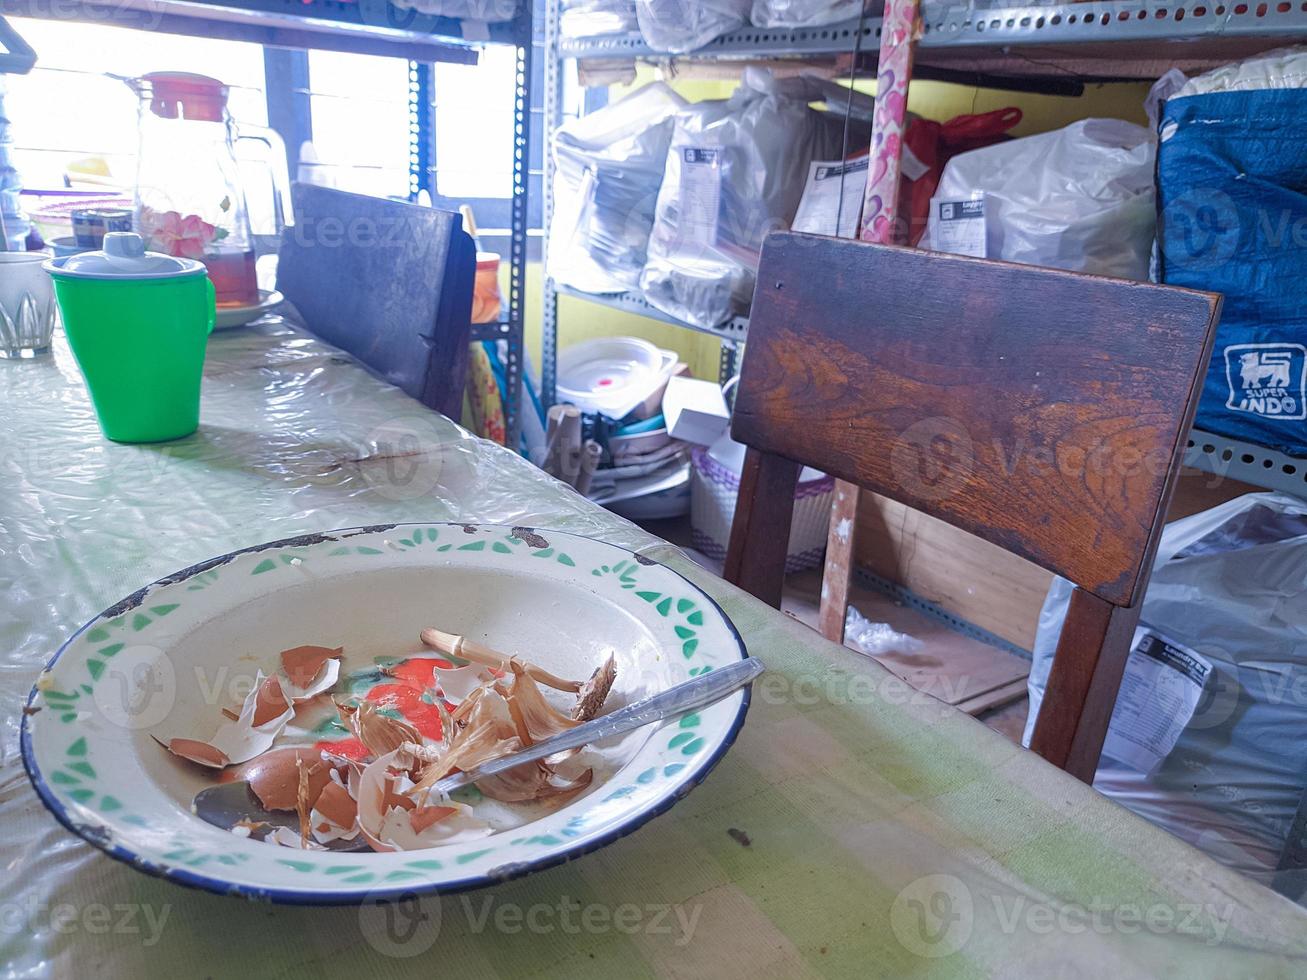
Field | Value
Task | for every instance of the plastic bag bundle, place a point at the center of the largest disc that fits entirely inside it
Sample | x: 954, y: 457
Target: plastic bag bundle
x: 1212, y: 713
x: 594, y: 18
x: 1079, y: 198
x: 1232, y: 176
x: 609, y: 169
x: 678, y: 26
x: 486, y: 11
x: 804, y: 13
x: 736, y: 170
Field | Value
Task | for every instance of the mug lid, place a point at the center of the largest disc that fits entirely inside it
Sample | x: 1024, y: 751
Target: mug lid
x: 123, y: 257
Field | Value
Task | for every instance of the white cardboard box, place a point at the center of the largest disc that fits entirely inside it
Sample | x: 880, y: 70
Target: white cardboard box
x: 695, y: 410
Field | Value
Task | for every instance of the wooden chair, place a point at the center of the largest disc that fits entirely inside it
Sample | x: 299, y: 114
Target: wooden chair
x: 1044, y: 411
x: 389, y: 282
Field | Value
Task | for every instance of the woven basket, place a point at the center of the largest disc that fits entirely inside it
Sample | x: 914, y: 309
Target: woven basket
x: 713, y: 492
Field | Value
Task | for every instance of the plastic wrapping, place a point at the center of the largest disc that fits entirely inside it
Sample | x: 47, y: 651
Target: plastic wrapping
x: 595, y: 18
x: 610, y: 166
x: 1231, y: 172
x: 1079, y: 198
x: 1281, y: 68
x: 838, y: 768
x: 876, y: 639
x: 735, y: 171
x: 1229, y: 584
x: 677, y: 26
x: 803, y: 13
x: 485, y: 11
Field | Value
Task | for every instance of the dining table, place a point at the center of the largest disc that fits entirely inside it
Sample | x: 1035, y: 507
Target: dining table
x: 856, y: 828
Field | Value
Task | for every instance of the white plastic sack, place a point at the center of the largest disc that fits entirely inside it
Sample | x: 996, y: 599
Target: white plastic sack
x: 485, y: 11
x: 609, y: 166
x: 1079, y: 198
x: 678, y: 26
x: 735, y: 171
x: 1281, y: 68
x: 1229, y: 585
x: 595, y: 18
x: 803, y: 13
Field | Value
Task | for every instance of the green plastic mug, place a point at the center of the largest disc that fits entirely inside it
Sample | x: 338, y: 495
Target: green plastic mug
x: 138, y: 323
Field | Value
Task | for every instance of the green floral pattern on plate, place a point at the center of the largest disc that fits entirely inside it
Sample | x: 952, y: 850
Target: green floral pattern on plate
x: 679, y: 613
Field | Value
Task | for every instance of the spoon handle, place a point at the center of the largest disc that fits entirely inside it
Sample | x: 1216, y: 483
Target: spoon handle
x: 700, y: 692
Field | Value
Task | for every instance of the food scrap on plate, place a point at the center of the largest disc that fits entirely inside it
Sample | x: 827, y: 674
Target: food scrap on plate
x: 379, y: 782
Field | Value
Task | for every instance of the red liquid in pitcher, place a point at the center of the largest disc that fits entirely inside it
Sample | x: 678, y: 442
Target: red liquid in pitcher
x: 234, y: 279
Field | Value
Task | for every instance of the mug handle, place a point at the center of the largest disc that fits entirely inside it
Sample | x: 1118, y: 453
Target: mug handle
x: 212, y: 302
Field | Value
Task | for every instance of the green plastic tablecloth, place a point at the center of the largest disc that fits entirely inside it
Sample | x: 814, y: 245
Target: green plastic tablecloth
x: 855, y: 829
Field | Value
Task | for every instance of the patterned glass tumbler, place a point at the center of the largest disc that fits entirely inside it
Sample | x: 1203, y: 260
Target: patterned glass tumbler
x: 26, y: 305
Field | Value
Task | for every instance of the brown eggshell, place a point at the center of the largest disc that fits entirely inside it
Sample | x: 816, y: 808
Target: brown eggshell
x: 302, y: 664
x: 269, y: 703
x: 335, y: 803
x: 199, y: 752
x: 274, y: 777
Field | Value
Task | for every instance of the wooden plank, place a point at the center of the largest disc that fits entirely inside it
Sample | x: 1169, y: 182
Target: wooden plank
x: 959, y: 572
x: 760, y: 532
x: 841, y: 540
x: 946, y: 383
x: 879, y: 223
x: 996, y: 698
x: 1082, y: 683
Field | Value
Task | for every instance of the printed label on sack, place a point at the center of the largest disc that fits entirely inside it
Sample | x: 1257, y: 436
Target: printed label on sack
x: 1160, y: 690
x: 821, y: 198
x: 960, y: 226
x: 1269, y: 380
x: 701, y: 196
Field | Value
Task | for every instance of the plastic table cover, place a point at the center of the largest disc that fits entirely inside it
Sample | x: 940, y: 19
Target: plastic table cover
x: 855, y: 829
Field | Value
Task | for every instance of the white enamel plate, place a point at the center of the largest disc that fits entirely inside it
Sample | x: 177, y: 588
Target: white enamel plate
x: 168, y: 659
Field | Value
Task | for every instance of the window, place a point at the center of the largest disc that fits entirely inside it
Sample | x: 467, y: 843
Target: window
x: 69, y: 108
x: 359, y: 110
x: 72, y: 115
x: 474, y: 126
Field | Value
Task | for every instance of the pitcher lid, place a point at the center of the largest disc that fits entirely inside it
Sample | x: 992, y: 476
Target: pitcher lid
x: 185, y: 94
x: 123, y: 257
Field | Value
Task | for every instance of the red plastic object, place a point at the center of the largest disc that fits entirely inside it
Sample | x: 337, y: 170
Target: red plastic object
x: 934, y: 144
x: 194, y: 97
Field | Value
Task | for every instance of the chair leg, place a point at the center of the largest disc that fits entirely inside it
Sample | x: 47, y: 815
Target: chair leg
x: 840, y: 539
x: 760, y: 532
x: 1082, y: 685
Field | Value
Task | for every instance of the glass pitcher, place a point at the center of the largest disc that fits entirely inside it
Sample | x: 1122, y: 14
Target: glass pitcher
x: 190, y: 199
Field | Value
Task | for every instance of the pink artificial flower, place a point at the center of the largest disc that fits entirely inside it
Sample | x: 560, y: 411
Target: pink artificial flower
x: 172, y: 234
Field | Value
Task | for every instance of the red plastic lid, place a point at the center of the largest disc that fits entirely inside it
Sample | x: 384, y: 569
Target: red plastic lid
x: 179, y: 93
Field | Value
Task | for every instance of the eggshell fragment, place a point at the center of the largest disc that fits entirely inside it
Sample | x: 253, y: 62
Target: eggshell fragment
x: 197, y: 751
x: 274, y: 779
x: 242, y: 740
x: 269, y: 702
x: 335, y: 804
x: 303, y: 664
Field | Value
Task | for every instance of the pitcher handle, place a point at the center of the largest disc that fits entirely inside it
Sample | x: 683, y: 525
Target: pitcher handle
x: 278, y: 174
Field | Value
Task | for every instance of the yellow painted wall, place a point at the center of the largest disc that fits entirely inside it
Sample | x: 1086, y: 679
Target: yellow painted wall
x: 579, y: 320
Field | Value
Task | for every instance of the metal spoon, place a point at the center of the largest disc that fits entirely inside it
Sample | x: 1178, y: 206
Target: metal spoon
x: 228, y: 804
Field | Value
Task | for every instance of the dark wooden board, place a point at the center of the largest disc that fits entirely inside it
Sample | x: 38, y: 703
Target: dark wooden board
x: 1041, y: 410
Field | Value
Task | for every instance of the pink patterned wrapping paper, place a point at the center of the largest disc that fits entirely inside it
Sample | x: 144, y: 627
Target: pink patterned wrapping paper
x: 880, y: 201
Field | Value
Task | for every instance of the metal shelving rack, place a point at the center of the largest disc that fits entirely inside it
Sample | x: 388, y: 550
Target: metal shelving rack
x: 375, y: 27
x: 511, y: 326
x: 1055, y: 48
